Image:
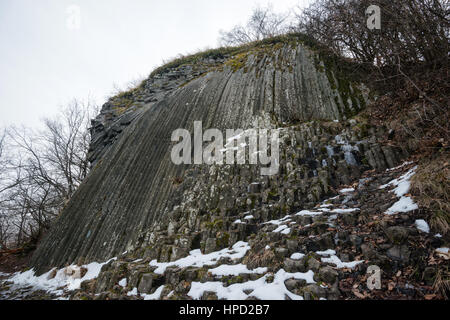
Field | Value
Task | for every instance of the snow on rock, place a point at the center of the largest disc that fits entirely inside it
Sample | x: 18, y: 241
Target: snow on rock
x: 333, y: 259
x: 133, y: 292
x: 297, y: 256
x: 279, y: 221
x: 326, y: 252
x: 123, y: 282
x: 308, y: 213
x: 197, y: 259
x: 154, y: 296
x: 422, y: 225
x: 261, y: 288
x: 235, y: 270
x: 345, y: 210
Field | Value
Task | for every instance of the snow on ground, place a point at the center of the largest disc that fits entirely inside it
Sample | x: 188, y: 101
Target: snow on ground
x: 197, y: 259
x: 400, y: 166
x: 57, y: 281
x: 405, y: 204
x: 402, y: 186
x: 346, y: 190
x: 235, y: 270
x: 333, y: 259
x: 261, y: 288
x: 422, y: 225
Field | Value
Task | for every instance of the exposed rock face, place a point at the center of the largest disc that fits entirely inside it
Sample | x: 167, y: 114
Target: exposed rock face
x: 135, y: 198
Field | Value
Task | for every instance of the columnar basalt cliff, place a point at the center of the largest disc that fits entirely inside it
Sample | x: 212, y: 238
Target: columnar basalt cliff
x: 136, y: 200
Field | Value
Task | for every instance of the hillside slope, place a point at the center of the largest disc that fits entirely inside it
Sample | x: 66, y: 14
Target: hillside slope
x: 140, y: 227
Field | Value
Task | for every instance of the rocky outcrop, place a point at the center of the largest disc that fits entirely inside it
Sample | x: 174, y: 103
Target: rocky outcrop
x: 326, y: 252
x: 135, y: 199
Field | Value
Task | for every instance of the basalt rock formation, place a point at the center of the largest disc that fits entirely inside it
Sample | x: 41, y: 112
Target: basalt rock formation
x: 136, y: 200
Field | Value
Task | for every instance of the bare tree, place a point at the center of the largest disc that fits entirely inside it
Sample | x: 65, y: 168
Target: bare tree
x: 263, y: 23
x: 412, y: 30
x: 43, y: 170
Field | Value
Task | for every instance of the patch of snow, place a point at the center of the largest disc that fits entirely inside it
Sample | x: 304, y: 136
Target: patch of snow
x: 326, y: 252
x: 345, y: 210
x: 402, y: 184
x: 68, y: 278
x: 249, y: 217
x: 155, y: 295
x: 347, y: 190
x: 297, y: 256
x: 308, y: 213
x: 133, y: 292
x: 65, y: 279
x: 280, y: 228
x: 442, y: 250
x: 339, y: 264
x: 422, y: 225
x: 197, y: 259
x: 123, y: 282
x: 280, y: 221
x: 260, y: 288
x: 400, y: 166
x: 405, y: 204
x: 235, y: 270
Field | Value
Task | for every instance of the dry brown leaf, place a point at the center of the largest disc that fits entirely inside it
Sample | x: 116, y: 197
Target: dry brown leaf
x: 358, y: 294
x: 391, y: 286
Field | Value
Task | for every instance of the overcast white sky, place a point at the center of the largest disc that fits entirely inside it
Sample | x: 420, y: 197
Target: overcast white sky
x: 44, y: 62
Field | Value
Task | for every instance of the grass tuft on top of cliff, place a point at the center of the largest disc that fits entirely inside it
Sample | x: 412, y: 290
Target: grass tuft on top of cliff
x: 227, y: 52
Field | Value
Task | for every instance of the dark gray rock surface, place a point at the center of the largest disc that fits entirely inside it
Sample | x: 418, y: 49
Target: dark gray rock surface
x: 136, y: 198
